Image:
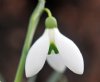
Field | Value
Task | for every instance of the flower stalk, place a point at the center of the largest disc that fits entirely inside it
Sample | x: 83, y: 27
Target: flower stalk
x: 48, y: 12
x: 34, y: 19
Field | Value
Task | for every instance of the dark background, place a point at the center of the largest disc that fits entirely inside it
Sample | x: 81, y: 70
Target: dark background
x: 78, y: 19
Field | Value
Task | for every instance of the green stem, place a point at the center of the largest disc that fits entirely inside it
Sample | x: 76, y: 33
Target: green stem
x: 34, y: 19
x: 55, y: 76
x: 48, y: 12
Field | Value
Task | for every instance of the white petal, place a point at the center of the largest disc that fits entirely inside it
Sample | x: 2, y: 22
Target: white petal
x: 37, y: 55
x: 70, y: 53
x: 56, y: 62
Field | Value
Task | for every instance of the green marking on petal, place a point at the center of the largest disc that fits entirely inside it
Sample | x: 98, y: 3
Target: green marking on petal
x: 53, y: 47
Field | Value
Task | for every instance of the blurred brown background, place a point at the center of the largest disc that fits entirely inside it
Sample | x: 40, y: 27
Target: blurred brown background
x: 78, y: 19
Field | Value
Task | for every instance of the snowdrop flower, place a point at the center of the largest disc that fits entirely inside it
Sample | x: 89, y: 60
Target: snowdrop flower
x: 59, y: 51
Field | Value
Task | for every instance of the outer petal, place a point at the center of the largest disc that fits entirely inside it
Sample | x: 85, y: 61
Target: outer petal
x: 56, y: 62
x: 69, y: 52
x: 37, y: 55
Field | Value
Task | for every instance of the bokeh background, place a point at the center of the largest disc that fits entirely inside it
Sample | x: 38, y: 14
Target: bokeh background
x: 78, y: 19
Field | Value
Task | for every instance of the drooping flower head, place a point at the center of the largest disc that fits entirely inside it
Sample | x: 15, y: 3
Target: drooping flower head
x: 59, y: 51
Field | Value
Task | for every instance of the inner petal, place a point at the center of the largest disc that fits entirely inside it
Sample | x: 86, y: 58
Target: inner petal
x: 56, y: 62
x: 52, y: 49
